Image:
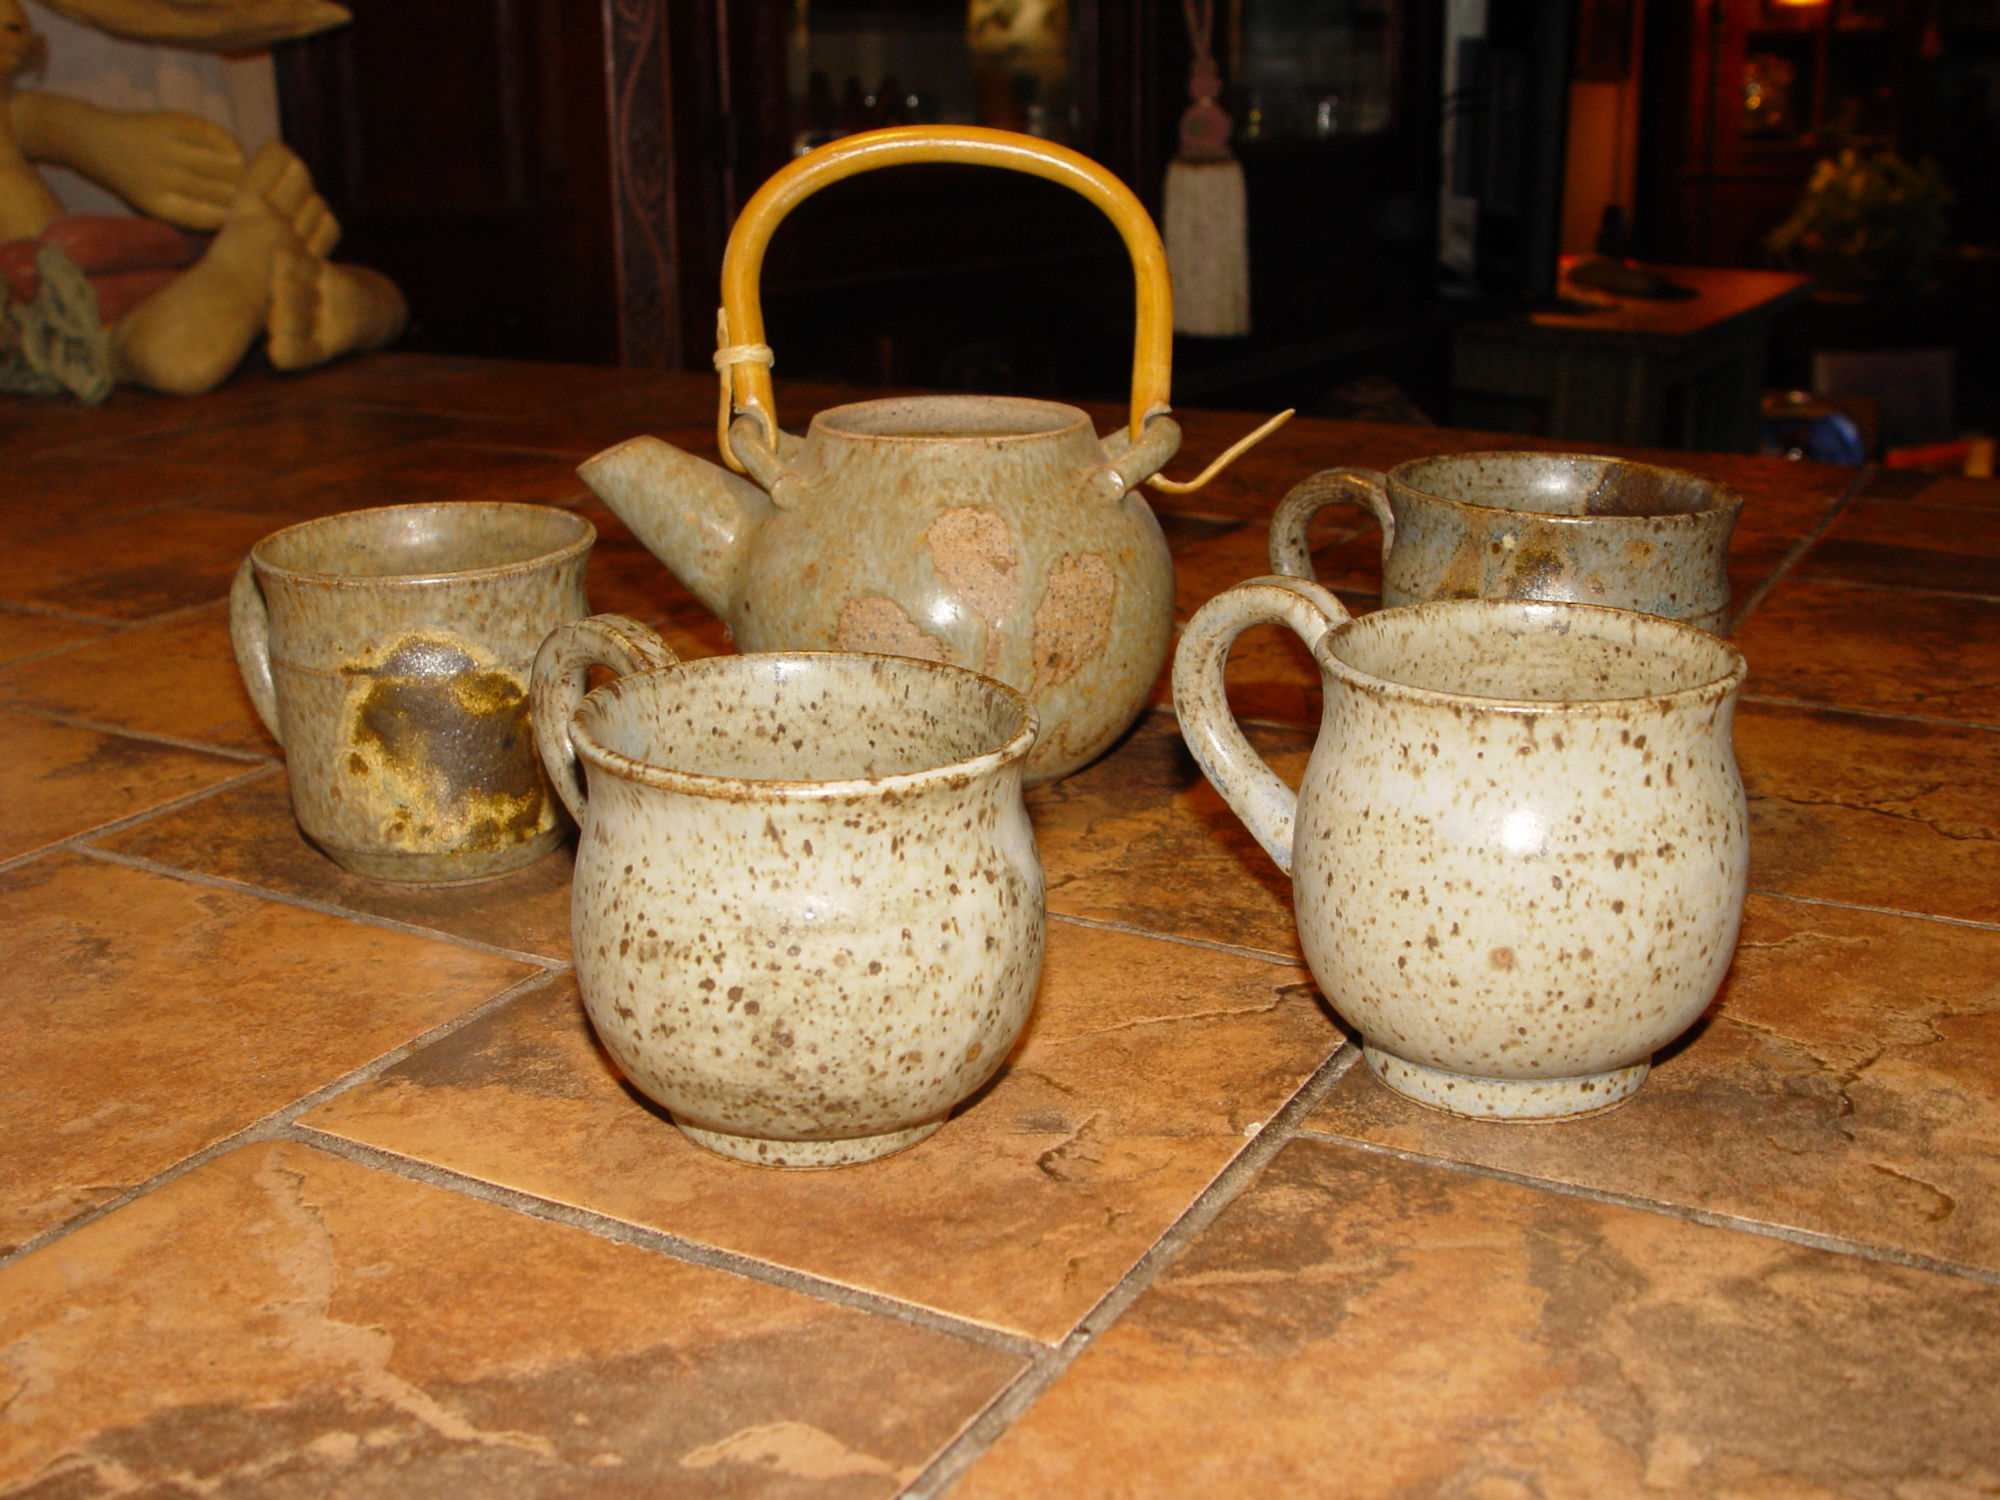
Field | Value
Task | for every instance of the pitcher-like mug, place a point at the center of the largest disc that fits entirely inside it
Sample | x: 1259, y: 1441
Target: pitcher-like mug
x: 1518, y: 852
x: 388, y: 651
x: 1562, y: 527
x: 808, y: 911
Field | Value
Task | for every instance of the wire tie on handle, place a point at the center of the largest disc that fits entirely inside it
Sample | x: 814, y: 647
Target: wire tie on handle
x: 1227, y: 457
x: 727, y: 357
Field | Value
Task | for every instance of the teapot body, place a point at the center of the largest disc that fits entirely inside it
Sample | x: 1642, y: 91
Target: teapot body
x: 993, y: 533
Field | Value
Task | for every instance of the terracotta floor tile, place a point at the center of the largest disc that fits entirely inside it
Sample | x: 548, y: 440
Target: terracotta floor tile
x: 133, y: 567
x: 1847, y: 1080
x: 284, y: 1323
x: 34, y: 425
x: 144, y: 1018
x: 1146, y: 1067
x: 1966, y: 494
x: 1885, y: 649
x: 59, y: 780
x: 1910, y: 544
x: 1142, y: 839
x: 1893, y: 813
x: 59, y: 492
x: 174, y: 677
x: 408, y: 473
x: 455, y: 383
x: 248, y: 834
x: 278, y: 437
x: 24, y: 634
x: 1364, y: 1326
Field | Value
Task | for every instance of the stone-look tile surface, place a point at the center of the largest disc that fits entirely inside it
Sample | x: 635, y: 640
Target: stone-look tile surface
x: 58, y: 780
x: 143, y: 1018
x: 1141, y: 839
x: 58, y: 492
x: 247, y: 834
x: 1909, y: 544
x: 1881, y: 812
x: 24, y: 633
x: 174, y: 677
x: 462, y: 384
x: 128, y: 568
x: 1846, y: 1080
x: 276, y: 437
x: 282, y: 1323
x: 1363, y: 1326
x: 1889, y: 650
x: 31, y: 426
x: 408, y: 474
x: 1145, y: 1069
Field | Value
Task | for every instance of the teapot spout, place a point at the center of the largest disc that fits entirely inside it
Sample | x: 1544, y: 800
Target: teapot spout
x: 694, y: 516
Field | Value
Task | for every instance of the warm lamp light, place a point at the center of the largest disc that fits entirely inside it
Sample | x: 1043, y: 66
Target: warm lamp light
x: 1798, y: 4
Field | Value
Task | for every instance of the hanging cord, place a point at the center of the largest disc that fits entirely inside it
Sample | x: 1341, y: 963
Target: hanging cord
x: 727, y: 357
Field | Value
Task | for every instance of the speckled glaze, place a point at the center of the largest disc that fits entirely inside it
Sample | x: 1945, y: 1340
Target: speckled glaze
x: 388, y: 651
x: 808, y: 909
x: 1553, y: 526
x: 993, y: 533
x: 1518, y: 852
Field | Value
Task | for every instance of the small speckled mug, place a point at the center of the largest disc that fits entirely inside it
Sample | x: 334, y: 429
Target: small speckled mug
x: 1518, y: 852
x: 388, y: 651
x: 1561, y: 527
x: 808, y: 908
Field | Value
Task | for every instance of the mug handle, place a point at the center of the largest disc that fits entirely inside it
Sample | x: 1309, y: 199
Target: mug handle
x: 250, y: 639
x: 561, y: 677
x: 1268, y: 808
x: 1290, y: 555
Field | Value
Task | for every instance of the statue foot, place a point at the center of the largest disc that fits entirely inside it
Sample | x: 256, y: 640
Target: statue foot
x: 321, y: 310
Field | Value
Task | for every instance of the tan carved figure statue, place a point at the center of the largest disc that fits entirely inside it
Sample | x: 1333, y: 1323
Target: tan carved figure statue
x: 222, y: 254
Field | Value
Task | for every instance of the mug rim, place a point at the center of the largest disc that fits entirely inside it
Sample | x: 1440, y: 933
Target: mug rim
x: 578, y: 545
x: 1716, y: 687
x: 1728, y: 499
x: 963, y: 771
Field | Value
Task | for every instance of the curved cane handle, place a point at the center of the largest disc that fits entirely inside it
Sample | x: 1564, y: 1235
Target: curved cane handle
x: 743, y: 351
x: 562, y: 676
x: 250, y: 638
x: 1290, y: 555
x: 1254, y: 792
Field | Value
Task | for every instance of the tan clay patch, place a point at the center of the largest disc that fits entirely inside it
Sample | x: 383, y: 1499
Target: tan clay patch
x: 973, y: 551
x: 872, y: 623
x: 1073, y: 621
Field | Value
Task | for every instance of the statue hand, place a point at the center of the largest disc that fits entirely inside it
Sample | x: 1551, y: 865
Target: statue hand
x: 211, y: 25
x: 173, y: 167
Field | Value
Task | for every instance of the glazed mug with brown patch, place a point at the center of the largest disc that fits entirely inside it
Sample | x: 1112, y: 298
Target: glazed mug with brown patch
x: 808, y: 909
x: 1519, y: 848
x: 1561, y: 527
x: 388, y: 651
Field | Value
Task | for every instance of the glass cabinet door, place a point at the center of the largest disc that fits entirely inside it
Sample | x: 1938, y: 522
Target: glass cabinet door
x: 1312, y: 69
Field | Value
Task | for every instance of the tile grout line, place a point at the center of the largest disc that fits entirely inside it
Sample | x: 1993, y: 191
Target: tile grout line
x: 147, y: 736
x: 74, y: 843
x: 663, y: 1242
x: 321, y: 908
x: 273, y: 1126
x: 1801, y: 547
x: 1294, y: 959
x: 1882, y: 911
x: 1012, y: 1403
x: 1912, y: 590
x: 1810, y: 1239
x: 1772, y: 700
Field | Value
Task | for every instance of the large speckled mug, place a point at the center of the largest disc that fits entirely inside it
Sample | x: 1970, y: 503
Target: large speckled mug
x: 1566, y: 527
x: 388, y: 651
x: 808, y: 909
x: 1519, y: 848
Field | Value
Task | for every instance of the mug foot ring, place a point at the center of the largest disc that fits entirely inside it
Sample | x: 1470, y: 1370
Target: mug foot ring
x: 1506, y: 1098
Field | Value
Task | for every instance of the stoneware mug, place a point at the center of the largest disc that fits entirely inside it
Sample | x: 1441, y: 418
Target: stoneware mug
x: 388, y: 651
x: 1554, y: 526
x: 808, y: 909
x: 1518, y: 851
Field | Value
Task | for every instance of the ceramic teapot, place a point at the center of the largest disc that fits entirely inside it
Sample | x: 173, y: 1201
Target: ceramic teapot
x: 995, y: 533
